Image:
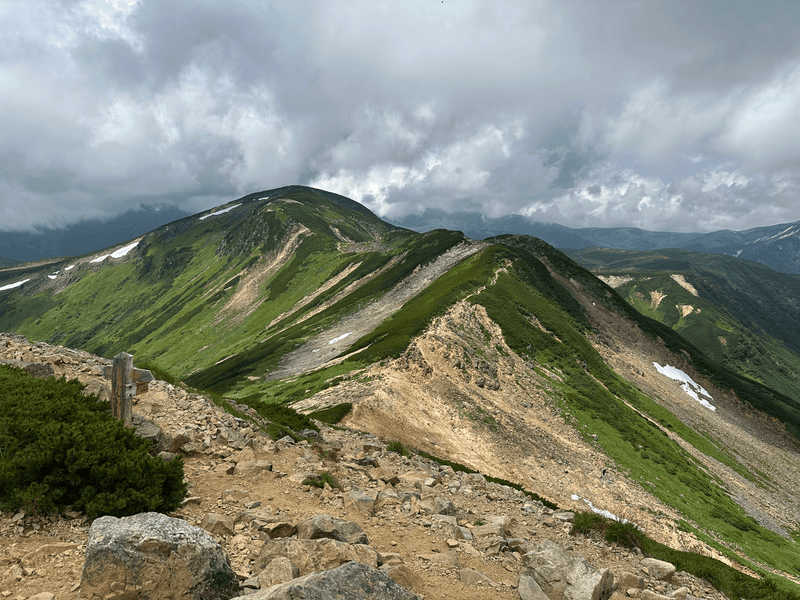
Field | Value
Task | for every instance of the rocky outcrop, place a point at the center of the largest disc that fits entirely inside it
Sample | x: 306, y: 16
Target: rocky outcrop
x: 151, y: 556
x: 354, y: 581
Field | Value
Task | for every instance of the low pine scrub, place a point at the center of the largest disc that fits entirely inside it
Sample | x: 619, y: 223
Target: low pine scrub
x: 59, y: 448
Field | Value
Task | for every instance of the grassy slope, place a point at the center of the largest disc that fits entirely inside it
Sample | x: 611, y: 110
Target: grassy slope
x: 742, y: 306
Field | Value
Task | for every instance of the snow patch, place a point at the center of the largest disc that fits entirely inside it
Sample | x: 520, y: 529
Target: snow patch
x: 340, y: 338
x: 52, y: 276
x: 11, y: 286
x: 118, y: 253
x: 604, y: 513
x: 688, y: 385
x: 69, y: 268
x: 315, y: 350
x: 264, y: 198
x: 221, y: 211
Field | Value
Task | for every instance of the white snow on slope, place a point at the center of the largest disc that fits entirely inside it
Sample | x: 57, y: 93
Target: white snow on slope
x: 11, y: 286
x: 688, y: 385
x: 69, y: 268
x: 118, y: 253
x: 52, y: 276
x: 221, y: 211
x: 340, y: 338
x: 605, y: 513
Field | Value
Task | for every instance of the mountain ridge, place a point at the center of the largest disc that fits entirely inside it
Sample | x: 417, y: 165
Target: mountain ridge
x: 509, y: 352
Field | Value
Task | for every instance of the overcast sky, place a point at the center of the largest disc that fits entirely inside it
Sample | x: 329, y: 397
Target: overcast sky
x: 674, y: 115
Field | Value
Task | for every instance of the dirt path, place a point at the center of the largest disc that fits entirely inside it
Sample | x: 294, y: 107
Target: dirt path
x: 334, y: 342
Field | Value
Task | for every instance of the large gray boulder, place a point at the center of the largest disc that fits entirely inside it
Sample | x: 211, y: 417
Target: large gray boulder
x: 556, y: 573
x: 150, y: 556
x: 354, y: 581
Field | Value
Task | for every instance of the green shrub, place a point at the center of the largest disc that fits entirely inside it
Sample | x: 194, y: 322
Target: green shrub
x: 398, y: 447
x: 320, y: 481
x: 333, y: 414
x: 588, y: 522
x: 625, y: 534
x: 285, y: 416
x: 59, y: 448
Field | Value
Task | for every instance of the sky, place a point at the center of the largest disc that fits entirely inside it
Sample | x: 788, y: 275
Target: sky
x: 664, y: 115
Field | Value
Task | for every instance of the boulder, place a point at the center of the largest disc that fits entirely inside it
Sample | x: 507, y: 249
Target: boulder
x: 354, y: 581
x: 559, y: 574
x: 326, y: 526
x: 315, y: 555
x: 529, y: 589
x: 361, y: 502
x: 659, y: 568
x: 152, y: 556
x: 280, y: 570
x: 473, y: 577
x: 217, y: 524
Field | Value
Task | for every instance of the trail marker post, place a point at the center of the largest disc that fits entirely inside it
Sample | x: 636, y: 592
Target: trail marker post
x: 126, y: 382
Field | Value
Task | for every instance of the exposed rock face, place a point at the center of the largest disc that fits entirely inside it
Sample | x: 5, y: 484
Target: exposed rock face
x: 151, y: 556
x: 354, y: 581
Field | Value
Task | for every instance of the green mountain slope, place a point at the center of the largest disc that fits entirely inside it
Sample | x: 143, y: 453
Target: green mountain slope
x: 281, y: 294
x: 741, y: 314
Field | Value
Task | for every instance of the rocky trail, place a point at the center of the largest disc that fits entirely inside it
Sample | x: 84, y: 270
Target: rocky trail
x: 436, y: 532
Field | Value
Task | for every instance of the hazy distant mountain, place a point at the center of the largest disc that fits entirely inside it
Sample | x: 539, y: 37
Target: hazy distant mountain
x: 86, y: 236
x: 776, y: 246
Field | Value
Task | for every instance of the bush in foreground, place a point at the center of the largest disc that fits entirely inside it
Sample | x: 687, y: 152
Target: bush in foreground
x: 59, y: 448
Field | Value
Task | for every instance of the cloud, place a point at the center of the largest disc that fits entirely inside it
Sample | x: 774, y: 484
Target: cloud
x: 583, y: 112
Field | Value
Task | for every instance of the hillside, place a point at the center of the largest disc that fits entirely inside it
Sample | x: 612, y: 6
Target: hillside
x: 504, y: 355
x: 740, y: 313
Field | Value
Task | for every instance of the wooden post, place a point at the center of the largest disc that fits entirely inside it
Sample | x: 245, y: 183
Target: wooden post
x: 126, y: 382
x: 120, y: 399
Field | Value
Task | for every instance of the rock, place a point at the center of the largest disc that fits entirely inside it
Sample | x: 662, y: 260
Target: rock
x: 147, y: 430
x: 490, y: 530
x: 448, y: 559
x: 217, y: 524
x: 659, y: 568
x: 596, y: 586
x: 315, y: 555
x: 651, y: 595
x: 353, y: 581
x: 406, y: 577
x: 325, y: 526
x: 473, y: 577
x: 43, y: 596
x: 174, y: 443
x: 560, y: 574
x: 627, y: 580
x: 529, y: 589
x: 246, y: 455
x: 251, y: 467
x: 279, y: 570
x: 280, y: 529
x: 680, y: 593
x: 150, y: 555
x: 361, y: 502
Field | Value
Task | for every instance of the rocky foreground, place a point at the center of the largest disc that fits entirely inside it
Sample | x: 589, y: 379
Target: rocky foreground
x: 435, y: 532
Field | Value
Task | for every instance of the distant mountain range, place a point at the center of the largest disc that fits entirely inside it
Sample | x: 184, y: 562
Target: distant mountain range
x: 83, y: 237
x: 777, y: 246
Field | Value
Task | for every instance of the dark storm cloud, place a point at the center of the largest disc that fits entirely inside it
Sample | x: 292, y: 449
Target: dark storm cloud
x: 661, y: 115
